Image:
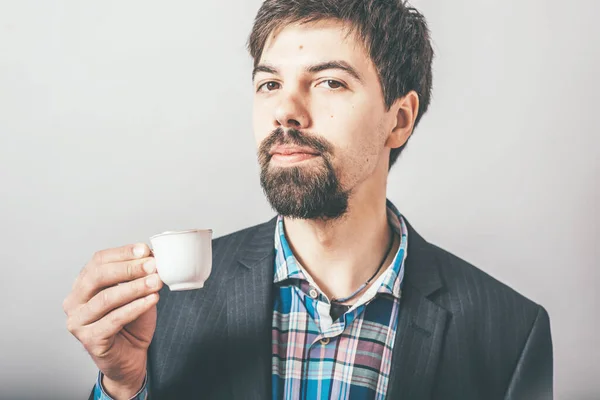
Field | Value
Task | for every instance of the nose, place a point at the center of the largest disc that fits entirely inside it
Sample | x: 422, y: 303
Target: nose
x: 291, y: 113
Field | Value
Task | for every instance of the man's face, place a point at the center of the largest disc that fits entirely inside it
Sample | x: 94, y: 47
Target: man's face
x: 319, y: 119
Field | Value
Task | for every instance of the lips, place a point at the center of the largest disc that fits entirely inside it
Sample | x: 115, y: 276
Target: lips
x: 291, y: 150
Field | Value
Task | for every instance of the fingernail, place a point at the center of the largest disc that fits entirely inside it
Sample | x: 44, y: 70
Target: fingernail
x: 152, y: 281
x: 149, y: 266
x: 138, y: 251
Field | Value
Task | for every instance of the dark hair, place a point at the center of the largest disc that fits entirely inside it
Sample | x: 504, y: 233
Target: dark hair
x: 394, y: 33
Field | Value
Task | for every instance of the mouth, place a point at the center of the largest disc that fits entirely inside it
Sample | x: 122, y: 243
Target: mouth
x: 290, y: 155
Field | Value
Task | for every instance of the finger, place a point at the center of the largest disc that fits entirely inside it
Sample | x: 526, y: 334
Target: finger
x: 97, y: 277
x: 117, y: 296
x: 114, y: 321
x: 102, y: 276
x: 124, y: 253
x: 90, y: 280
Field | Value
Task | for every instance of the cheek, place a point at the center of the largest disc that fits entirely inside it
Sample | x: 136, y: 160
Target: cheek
x: 359, y: 139
x: 355, y: 129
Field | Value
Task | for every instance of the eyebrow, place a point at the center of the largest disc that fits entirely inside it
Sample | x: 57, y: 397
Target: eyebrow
x: 338, y: 64
x: 264, y: 68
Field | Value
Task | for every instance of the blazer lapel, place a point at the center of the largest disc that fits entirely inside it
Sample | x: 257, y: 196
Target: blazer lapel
x: 249, y: 314
x: 421, y: 327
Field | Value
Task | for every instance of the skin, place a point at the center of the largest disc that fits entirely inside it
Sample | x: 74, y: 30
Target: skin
x: 347, y: 109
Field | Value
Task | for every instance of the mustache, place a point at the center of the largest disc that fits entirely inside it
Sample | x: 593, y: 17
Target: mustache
x: 293, y: 137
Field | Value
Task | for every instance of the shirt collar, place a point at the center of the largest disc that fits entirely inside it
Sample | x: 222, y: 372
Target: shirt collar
x: 287, y: 267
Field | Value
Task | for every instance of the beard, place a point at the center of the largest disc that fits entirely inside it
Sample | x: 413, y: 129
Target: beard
x: 302, y: 191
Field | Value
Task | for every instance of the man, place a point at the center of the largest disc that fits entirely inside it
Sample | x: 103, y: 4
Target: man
x: 338, y: 296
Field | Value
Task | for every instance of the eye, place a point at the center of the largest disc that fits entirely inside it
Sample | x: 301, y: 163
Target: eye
x: 268, y: 86
x: 332, y: 84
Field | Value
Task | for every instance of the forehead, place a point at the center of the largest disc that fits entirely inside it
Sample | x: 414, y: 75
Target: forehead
x: 299, y: 44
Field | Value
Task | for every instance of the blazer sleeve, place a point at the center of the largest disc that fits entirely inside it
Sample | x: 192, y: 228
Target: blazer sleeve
x: 532, y: 378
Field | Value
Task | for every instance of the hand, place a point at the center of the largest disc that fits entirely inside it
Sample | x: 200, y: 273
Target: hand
x: 111, y: 310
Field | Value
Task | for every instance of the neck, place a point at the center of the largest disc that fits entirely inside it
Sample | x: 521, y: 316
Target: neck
x: 340, y: 255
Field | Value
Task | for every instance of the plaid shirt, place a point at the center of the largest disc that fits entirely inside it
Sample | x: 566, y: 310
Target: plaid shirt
x: 314, y: 357
x: 317, y: 358
x: 100, y: 394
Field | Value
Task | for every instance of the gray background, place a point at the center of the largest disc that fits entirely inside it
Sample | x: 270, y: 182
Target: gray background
x: 121, y: 119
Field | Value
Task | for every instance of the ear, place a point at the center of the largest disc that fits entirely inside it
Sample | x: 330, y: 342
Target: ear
x: 405, y: 111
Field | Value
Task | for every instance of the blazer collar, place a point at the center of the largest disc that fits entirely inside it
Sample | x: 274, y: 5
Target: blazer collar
x: 422, y: 265
x: 259, y: 244
x: 424, y: 270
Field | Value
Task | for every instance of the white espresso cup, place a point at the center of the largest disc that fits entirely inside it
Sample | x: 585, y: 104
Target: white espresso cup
x: 183, y: 258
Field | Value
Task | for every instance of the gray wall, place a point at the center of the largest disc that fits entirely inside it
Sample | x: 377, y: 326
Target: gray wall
x: 122, y: 119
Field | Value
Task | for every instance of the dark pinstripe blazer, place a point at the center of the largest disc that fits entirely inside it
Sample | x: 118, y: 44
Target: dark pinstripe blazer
x: 461, y: 335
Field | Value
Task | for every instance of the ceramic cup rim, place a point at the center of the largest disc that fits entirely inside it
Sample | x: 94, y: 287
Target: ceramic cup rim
x: 166, y: 233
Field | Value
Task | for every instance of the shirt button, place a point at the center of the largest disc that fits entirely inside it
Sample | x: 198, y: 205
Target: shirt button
x: 325, y: 341
x: 313, y: 293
